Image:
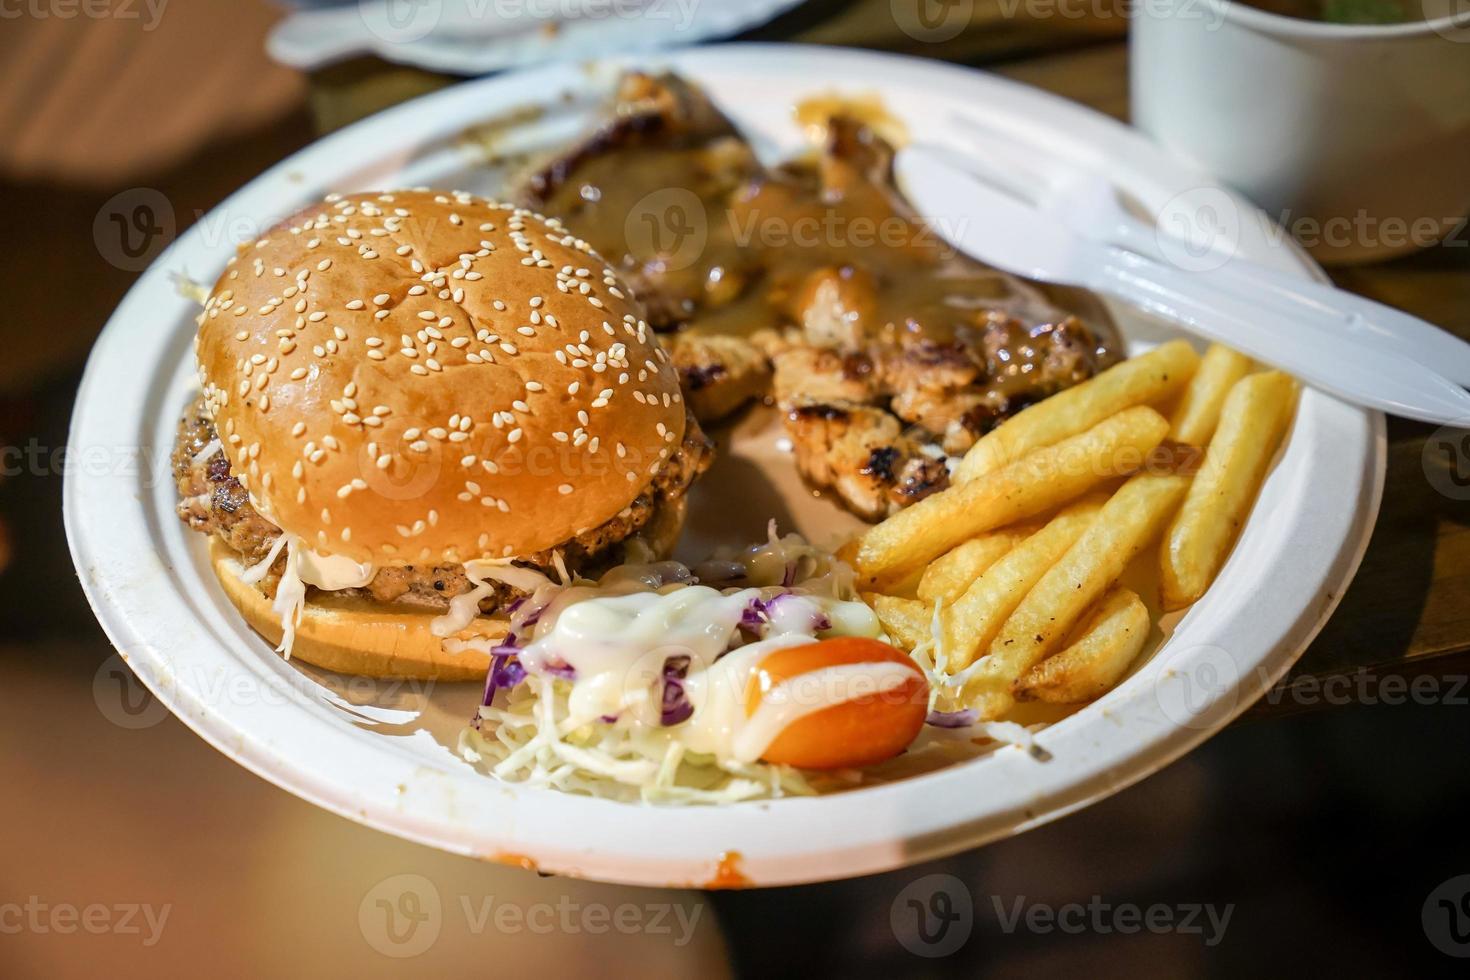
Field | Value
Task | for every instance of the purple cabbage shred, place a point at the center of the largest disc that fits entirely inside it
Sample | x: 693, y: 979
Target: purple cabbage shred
x: 675, y: 706
x: 559, y: 668
x: 953, y: 719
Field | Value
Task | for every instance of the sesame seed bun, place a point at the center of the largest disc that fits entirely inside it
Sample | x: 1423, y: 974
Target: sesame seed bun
x: 417, y: 377
x: 356, y: 636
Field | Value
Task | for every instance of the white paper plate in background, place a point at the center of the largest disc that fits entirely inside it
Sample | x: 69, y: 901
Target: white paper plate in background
x: 474, y: 37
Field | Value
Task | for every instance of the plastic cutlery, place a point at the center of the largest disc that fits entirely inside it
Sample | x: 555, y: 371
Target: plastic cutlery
x: 1088, y: 202
x: 1358, y: 366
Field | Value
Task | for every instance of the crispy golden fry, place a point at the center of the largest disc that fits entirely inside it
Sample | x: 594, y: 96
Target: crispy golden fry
x: 1112, y: 636
x: 899, y: 582
x: 1041, y: 481
x: 1252, y: 422
x: 1124, y: 526
x: 908, y: 622
x: 904, y: 584
x: 1198, y: 411
x: 972, y: 621
x: 1147, y: 379
x: 949, y: 575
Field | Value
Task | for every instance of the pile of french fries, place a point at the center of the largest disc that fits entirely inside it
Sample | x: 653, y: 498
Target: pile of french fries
x: 1008, y: 579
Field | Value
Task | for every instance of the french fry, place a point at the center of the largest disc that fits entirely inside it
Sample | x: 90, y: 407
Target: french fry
x: 1198, y: 411
x: 908, y: 622
x: 1147, y: 379
x: 972, y: 621
x: 1123, y: 527
x: 1252, y: 422
x: 1112, y: 636
x: 949, y: 575
x: 901, y: 582
x: 1040, y: 482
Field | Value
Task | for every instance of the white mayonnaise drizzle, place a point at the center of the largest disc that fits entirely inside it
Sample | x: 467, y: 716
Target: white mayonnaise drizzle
x: 483, y: 574
x: 617, y: 646
x: 304, y: 567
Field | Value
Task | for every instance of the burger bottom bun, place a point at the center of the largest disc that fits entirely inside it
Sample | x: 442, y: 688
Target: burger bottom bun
x: 356, y: 636
x: 352, y: 635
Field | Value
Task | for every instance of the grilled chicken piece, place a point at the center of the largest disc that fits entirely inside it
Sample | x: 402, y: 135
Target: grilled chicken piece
x: 884, y: 343
x: 834, y: 305
x: 719, y: 373
x: 862, y: 454
x: 820, y: 374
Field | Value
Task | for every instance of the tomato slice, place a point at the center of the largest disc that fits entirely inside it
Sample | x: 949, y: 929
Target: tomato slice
x: 867, y: 729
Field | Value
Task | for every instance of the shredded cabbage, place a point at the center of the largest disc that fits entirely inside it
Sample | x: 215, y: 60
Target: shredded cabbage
x: 525, y: 731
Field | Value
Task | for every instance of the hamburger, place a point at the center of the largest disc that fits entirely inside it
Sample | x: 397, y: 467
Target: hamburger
x: 415, y: 408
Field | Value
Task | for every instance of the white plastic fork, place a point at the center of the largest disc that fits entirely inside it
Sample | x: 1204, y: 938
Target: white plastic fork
x: 1086, y: 201
x: 1359, y: 366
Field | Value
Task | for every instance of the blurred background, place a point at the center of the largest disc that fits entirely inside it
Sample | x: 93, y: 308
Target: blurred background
x: 1307, y: 837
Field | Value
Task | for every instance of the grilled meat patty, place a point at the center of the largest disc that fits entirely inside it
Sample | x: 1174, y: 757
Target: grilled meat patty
x: 212, y: 501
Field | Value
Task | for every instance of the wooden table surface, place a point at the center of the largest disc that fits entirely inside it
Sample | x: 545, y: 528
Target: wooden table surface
x: 1408, y: 610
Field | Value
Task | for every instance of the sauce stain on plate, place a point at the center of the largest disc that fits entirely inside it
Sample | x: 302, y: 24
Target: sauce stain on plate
x: 728, y: 874
x: 510, y: 858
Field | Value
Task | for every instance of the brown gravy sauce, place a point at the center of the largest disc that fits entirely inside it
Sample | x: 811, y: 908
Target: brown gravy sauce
x: 741, y: 247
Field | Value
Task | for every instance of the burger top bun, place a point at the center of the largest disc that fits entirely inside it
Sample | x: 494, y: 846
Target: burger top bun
x: 433, y: 377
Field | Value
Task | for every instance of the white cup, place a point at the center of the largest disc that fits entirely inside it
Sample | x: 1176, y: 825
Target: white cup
x: 1354, y: 138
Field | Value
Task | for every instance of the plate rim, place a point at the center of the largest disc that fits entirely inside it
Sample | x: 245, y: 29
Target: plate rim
x: 426, y: 821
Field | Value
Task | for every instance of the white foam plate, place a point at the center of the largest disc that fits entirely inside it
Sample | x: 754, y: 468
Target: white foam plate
x: 383, y: 755
x: 474, y: 37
